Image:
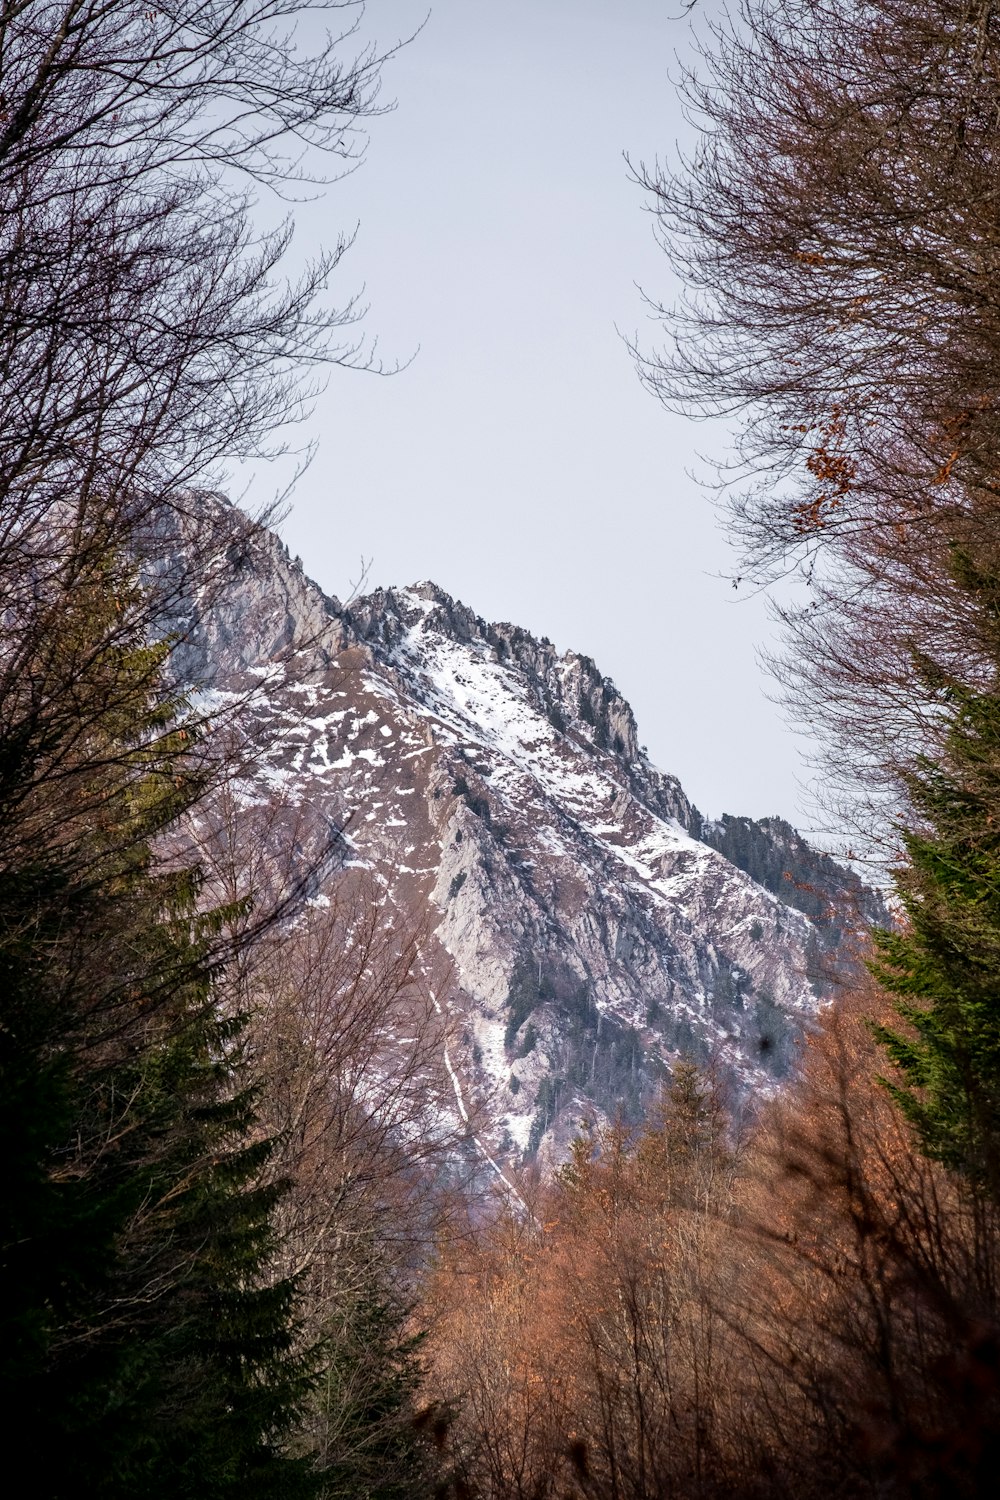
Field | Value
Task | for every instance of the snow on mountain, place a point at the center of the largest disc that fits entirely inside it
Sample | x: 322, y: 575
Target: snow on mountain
x: 592, y: 928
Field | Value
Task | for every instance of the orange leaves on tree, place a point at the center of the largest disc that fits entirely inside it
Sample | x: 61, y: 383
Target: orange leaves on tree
x: 833, y: 469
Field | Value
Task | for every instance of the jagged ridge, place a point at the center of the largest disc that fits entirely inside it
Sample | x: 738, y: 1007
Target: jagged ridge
x: 596, y: 928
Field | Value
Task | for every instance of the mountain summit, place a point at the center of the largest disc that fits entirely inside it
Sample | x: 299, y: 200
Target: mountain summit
x: 594, y: 926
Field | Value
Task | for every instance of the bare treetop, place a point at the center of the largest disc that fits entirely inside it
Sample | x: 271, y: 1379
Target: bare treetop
x: 211, y: 83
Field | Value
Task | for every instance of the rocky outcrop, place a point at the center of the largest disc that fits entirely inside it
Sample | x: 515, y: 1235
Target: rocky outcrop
x: 594, y: 927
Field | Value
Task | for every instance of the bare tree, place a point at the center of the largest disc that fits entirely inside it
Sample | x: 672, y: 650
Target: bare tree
x: 146, y: 339
x: 583, y: 1346
x: 836, y: 232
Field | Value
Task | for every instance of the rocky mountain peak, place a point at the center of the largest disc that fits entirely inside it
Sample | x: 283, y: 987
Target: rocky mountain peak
x: 495, y: 790
x: 407, y: 627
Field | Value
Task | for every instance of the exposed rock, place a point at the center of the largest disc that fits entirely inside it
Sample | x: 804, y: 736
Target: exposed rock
x: 595, y: 926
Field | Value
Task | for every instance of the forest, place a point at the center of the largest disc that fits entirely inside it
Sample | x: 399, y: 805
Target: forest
x: 233, y: 1258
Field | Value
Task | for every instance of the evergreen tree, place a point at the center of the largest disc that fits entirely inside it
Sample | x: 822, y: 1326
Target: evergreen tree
x: 366, y: 1442
x: 143, y: 1344
x: 148, y: 337
x: 945, y: 964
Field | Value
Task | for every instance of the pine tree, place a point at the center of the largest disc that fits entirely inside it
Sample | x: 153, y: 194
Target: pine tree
x: 143, y: 1343
x: 367, y: 1444
x: 944, y: 965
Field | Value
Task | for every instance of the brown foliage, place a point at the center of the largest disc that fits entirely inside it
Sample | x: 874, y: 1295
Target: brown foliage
x: 878, y: 1299
x: 577, y: 1340
x: 813, y: 1315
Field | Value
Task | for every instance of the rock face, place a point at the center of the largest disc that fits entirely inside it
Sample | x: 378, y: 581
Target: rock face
x: 595, y: 927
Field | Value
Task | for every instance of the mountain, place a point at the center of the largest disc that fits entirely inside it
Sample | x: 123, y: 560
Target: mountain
x: 590, y: 925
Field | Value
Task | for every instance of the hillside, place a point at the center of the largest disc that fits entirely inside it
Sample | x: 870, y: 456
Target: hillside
x: 584, y: 925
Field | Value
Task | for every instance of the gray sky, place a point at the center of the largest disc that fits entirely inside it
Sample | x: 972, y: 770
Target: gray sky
x: 517, y: 461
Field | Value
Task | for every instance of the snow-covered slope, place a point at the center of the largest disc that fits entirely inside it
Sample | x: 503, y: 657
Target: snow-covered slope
x: 497, y: 791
